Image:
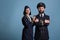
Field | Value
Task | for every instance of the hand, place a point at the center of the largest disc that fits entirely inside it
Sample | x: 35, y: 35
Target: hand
x: 34, y: 18
x: 37, y: 20
x: 47, y: 21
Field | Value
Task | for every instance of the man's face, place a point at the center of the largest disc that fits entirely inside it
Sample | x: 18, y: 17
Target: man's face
x: 41, y: 9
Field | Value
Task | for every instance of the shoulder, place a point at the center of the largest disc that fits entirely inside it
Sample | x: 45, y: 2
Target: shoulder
x: 47, y: 15
x: 24, y: 17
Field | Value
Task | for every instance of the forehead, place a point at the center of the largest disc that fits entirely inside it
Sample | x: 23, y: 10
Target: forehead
x: 27, y: 8
x: 41, y: 7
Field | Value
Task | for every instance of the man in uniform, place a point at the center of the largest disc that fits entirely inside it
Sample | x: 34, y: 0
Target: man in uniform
x: 41, y: 22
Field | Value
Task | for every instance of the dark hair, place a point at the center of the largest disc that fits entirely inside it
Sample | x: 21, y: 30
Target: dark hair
x: 25, y: 10
x: 41, y: 4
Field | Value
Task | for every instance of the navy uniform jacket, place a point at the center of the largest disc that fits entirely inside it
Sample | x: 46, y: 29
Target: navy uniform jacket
x: 27, y: 33
x: 41, y: 32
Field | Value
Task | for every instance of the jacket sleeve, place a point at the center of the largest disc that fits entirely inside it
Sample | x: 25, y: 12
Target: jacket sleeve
x: 24, y: 22
x: 36, y: 23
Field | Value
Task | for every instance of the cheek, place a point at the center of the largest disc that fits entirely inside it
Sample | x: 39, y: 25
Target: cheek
x: 28, y: 11
x: 39, y: 9
x: 42, y: 9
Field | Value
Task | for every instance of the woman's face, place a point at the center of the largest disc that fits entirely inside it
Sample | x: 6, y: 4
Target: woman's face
x: 28, y: 11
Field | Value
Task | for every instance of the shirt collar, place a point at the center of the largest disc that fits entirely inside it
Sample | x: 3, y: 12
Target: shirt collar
x: 42, y: 15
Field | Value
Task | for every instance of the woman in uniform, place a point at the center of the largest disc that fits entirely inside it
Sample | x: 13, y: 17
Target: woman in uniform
x: 27, y: 33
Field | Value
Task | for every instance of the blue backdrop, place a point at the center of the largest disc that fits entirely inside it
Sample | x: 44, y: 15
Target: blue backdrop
x: 11, y: 12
